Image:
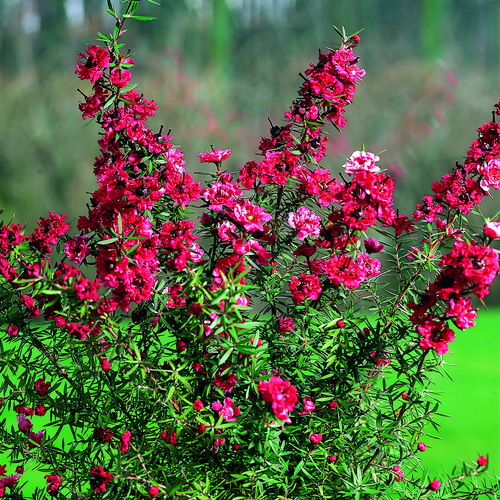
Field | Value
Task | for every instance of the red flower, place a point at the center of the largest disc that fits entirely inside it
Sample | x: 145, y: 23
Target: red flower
x: 308, y: 286
x: 53, y: 482
x: 169, y: 437
x: 225, y: 381
x: 96, y: 59
x: 153, y: 491
x: 40, y: 410
x: 98, y: 479
x: 197, y: 405
x: 41, y: 387
x: 102, y: 435
x: 35, y: 438
x: 12, y: 330
x: 281, y: 394
x: 105, y: 365
x: 76, y: 249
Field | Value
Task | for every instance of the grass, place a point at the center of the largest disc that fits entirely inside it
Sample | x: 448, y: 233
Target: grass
x: 472, y: 399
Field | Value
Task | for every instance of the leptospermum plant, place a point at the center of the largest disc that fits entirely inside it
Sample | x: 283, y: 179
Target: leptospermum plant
x: 236, y: 338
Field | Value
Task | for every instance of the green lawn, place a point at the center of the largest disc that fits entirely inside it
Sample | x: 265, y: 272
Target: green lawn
x: 472, y: 399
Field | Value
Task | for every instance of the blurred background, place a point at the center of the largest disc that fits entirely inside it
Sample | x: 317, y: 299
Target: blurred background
x: 219, y: 68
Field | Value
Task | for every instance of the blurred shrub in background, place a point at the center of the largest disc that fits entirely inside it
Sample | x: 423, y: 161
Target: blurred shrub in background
x: 217, y: 69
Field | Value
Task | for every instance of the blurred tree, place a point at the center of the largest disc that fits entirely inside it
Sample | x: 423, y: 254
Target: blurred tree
x: 221, y: 35
x: 434, y: 27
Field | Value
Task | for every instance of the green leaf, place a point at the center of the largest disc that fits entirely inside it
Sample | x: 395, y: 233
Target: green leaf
x: 104, y: 37
x: 143, y: 18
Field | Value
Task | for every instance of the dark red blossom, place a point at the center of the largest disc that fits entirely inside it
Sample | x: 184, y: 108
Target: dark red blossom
x: 102, y: 435
x: 42, y: 387
x: 224, y: 379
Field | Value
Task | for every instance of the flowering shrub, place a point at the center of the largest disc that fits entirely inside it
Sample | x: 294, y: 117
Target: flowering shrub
x: 235, y: 338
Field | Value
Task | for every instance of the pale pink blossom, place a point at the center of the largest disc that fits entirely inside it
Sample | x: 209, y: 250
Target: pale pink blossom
x: 362, y: 161
x: 24, y: 423
x: 492, y: 229
x: 306, y: 222
x: 491, y: 173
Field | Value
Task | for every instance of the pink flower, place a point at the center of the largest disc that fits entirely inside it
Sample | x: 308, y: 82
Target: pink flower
x: 373, y: 246
x: 281, y: 395
x: 306, y: 222
x: 332, y: 405
x: 332, y: 459
x: 124, y: 441
x: 214, y: 156
x: 422, y: 446
x: 362, y: 161
x: 36, y: 438
x: 308, y: 405
x: 380, y: 360
x: 97, y: 59
x: 398, y: 473
x: 482, y: 461
x: 197, y: 405
x: 492, y: 229
x: 76, y: 249
x: 120, y: 77
x: 250, y: 216
x: 216, y: 406
x: 308, y: 286
x: 12, y: 330
x: 315, y: 438
x: 24, y: 424
x: 227, y: 411
x: 491, y: 173
x: 434, y: 485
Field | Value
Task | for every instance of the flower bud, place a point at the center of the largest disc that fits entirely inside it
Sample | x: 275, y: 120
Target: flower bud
x: 434, y: 485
